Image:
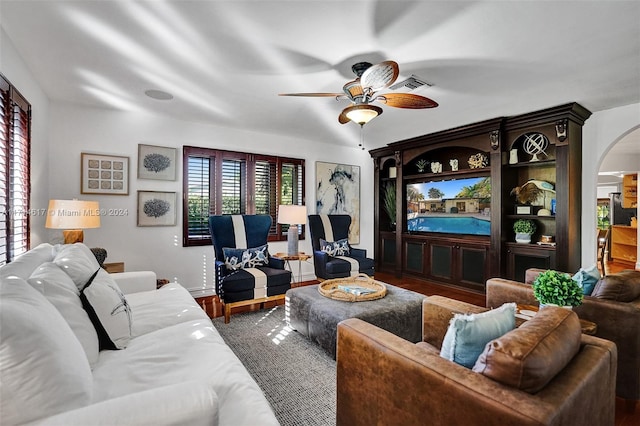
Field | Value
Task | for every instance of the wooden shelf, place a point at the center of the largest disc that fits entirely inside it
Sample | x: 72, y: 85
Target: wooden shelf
x: 530, y: 216
x: 530, y: 246
x: 450, y: 174
x: 540, y: 163
x: 624, y: 243
x: 630, y: 191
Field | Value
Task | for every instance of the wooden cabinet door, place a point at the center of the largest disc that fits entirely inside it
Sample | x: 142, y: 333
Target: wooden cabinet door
x: 472, y: 267
x: 521, y: 257
x: 415, y: 256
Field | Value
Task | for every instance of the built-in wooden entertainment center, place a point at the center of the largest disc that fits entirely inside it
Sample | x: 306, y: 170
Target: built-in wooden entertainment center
x: 501, y: 150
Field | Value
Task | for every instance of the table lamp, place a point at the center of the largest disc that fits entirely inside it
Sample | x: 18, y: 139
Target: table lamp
x: 73, y: 216
x: 292, y: 216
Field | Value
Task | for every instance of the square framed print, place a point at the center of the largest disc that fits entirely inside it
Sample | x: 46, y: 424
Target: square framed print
x: 157, y: 208
x: 338, y: 192
x: 156, y: 162
x: 104, y: 174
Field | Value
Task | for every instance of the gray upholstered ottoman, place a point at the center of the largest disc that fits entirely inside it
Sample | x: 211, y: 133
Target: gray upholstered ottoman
x: 317, y: 317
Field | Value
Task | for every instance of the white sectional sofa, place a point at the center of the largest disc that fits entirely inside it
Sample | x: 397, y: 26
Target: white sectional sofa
x: 174, y: 368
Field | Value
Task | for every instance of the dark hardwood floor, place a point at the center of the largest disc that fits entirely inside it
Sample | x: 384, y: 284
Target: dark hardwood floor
x: 627, y: 414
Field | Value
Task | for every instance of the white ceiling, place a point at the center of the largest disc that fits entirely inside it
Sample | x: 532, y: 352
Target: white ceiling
x: 226, y: 61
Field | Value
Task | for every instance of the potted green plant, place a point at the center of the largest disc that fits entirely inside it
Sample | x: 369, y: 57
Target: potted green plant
x: 389, y: 202
x: 524, y: 228
x: 557, y: 288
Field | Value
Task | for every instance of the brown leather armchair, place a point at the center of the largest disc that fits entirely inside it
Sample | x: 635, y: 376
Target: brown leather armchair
x: 385, y: 380
x: 617, y: 321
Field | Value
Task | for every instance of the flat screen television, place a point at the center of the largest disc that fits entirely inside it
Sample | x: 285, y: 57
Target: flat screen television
x: 454, y: 206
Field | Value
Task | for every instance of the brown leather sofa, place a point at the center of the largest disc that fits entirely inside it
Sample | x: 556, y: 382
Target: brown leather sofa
x: 383, y: 379
x: 614, y: 306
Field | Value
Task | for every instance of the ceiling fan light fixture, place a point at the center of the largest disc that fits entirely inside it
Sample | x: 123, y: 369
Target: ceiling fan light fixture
x: 362, y: 114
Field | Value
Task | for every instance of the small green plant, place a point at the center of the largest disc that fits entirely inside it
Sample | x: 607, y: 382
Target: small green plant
x: 524, y: 226
x: 558, y: 288
x: 389, y: 201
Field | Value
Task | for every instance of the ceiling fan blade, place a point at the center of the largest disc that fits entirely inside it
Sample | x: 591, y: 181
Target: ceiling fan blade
x: 406, y: 100
x: 379, y: 76
x: 314, y: 95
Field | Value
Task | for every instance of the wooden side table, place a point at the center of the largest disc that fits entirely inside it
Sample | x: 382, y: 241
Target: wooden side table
x: 113, y: 267
x: 523, y: 313
x: 300, y: 257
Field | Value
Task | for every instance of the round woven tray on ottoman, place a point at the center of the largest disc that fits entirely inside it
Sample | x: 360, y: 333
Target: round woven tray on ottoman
x: 353, y: 289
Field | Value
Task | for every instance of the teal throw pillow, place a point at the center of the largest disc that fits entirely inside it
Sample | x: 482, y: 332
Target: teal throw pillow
x: 337, y: 248
x: 587, y: 279
x: 235, y: 259
x: 468, y: 334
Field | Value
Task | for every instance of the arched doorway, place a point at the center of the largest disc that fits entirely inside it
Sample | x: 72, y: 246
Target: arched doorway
x: 621, y: 158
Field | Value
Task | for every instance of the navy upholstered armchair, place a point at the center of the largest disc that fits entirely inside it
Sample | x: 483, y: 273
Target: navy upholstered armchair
x: 245, y: 272
x: 332, y: 255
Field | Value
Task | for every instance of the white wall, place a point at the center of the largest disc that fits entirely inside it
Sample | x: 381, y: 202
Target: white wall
x: 14, y: 69
x: 75, y: 129
x: 600, y: 132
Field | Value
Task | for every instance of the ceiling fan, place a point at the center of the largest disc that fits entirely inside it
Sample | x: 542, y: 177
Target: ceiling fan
x: 363, y: 90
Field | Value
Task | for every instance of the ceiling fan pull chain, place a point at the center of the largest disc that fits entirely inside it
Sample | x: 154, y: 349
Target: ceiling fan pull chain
x: 361, y: 144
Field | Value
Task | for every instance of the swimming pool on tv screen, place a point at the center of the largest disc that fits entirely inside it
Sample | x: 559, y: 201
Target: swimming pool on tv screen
x: 450, y: 225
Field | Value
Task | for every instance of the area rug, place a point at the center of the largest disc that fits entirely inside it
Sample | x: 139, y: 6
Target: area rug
x: 297, y: 377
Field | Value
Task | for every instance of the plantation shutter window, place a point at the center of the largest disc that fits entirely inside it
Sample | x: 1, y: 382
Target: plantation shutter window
x: 233, y: 187
x: 199, y: 197
x: 229, y: 182
x: 15, y: 146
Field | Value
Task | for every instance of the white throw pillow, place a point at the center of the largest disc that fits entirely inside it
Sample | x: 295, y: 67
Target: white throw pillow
x: 60, y: 290
x: 77, y: 261
x: 43, y: 367
x: 108, y: 310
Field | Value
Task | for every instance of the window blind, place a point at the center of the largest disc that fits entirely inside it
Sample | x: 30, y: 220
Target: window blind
x: 15, y: 116
x: 229, y: 182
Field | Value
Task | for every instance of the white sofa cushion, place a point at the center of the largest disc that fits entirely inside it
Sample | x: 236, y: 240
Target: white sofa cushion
x: 191, y: 350
x: 108, y: 310
x: 60, y: 290
x: 192, y: 403
x: 157, y: 309
x: 23, y: 265
x: 43, y: 367
x: 77, y: 261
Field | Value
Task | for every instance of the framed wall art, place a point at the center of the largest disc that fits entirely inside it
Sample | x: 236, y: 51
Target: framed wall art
x: 104, y: 174
x: 156, y: 208
x: 338, y: 192
x: 156, y: 162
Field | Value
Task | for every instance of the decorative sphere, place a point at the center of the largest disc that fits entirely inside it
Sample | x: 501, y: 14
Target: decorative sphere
x: 535, y: 143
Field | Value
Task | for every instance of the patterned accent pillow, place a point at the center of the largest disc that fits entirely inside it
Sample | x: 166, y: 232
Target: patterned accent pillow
x: 108, y: 310
x: 337, y: 248
x: 236, y: 259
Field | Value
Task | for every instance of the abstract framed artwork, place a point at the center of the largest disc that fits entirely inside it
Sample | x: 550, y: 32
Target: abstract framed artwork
x: 156, y: 208
x: 338, y: 192
x: 156, y: 162
x: 104, y: 174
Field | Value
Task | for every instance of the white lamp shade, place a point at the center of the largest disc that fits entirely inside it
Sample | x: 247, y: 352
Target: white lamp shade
x: 73, y: 214
x: 292, y: 215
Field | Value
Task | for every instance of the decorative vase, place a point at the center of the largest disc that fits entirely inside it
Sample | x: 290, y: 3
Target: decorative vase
x: 513, y: 156
x: 523, y: 238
